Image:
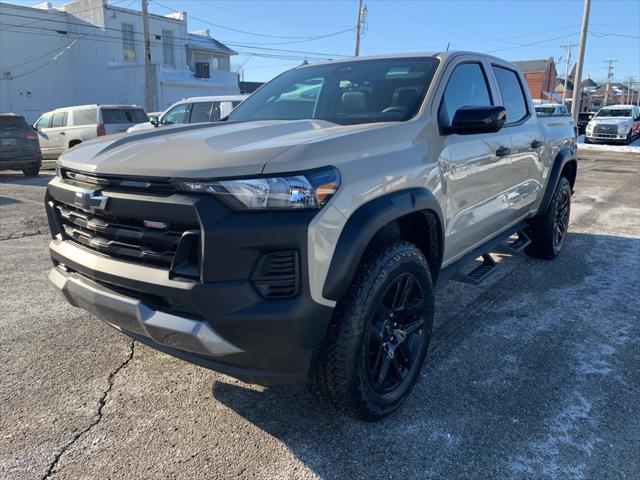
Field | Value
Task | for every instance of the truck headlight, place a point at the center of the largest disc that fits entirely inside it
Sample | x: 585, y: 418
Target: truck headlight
x: 308, y: 190
x: 589, y: 127
x: 624, y: 127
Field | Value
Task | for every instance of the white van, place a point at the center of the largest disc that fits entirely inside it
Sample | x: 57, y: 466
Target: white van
x: 193, y: 110
x: 64, y: 128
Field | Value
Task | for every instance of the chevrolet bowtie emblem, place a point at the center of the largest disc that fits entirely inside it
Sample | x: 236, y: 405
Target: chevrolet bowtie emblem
x: 90, y: 200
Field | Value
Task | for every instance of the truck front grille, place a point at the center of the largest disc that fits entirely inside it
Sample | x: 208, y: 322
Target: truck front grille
x: 127, y: 238
x: 608, y: 129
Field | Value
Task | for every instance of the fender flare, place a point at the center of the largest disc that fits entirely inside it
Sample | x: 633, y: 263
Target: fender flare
x: 563, y: 157
x: 364, y: 223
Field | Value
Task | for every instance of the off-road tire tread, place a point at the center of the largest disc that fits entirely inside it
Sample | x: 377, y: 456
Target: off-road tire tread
x: 541, y: 228
x: 335, y: 380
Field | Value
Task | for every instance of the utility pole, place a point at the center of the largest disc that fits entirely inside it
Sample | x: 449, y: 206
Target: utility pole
x: 566, y: 71
x: 361, y: 13
x: 609, y: 77
x: 148, y: 68
x: 629, y: 96
x: 577, y: 79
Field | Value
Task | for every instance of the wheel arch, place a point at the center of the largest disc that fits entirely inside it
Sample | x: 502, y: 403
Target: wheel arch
x: 564, y: 165
x: 407, y: 214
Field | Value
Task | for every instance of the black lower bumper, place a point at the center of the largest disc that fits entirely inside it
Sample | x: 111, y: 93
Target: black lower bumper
x: 20, y: 162
x: 219, y: 319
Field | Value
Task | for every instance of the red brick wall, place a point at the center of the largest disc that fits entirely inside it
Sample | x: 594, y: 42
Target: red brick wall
x: 534, y: 81
x: 539, y: 82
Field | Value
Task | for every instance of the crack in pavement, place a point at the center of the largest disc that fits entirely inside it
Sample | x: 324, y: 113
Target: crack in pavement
x: 30, y: 234
x: 101, y: 404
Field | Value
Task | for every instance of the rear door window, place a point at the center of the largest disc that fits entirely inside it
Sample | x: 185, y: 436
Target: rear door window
x: 512, y: 94
x: 59, y: 120
x: 201, y: 112
x: 123, y: 115
x: 85, y: 117
x: 13, y: 123
x: 467, y: 87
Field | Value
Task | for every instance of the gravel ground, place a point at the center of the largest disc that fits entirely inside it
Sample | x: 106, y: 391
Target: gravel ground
x: 533, y: 374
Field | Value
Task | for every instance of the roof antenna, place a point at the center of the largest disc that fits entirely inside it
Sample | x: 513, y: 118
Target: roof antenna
x: 448, y: 46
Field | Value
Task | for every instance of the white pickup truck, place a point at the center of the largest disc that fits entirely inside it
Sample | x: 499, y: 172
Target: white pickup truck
x: 300, y: 239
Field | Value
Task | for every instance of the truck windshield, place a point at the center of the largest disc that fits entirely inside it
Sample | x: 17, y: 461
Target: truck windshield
x: 346, y: 93
x: 545, y: 110
x: 614, y: 112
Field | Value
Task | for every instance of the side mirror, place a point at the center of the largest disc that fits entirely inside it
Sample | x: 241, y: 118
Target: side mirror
x: 474, y: 120
x: 154, y: 120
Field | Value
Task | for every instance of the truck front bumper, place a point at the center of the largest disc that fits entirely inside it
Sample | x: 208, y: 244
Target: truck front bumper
x: 218, y: 318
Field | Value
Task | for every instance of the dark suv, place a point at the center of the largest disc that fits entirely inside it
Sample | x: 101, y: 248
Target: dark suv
x: 19, y: 147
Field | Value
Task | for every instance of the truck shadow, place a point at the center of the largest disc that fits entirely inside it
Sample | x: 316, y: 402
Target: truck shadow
x: 521, y: 381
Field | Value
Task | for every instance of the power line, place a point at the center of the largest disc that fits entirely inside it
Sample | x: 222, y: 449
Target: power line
x: 207, y: 22
x: 117, y: 40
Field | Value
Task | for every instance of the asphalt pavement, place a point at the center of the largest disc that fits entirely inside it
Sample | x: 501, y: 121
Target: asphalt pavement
x: 533, y: 374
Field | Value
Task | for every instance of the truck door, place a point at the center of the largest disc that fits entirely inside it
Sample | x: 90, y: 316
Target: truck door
x: 523, y: 175
x: 471, y: 165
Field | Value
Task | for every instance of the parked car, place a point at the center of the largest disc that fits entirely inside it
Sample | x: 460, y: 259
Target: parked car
x: 300, y: 240
x: 551, y: 109
x: 583, y: 121
x: 64, y: 128
x: 193, y: 110
x: 614, y: 124
x: 19, y: 148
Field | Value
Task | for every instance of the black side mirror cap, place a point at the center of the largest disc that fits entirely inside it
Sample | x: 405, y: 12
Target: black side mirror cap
x: 154, y: 120
x: 474, y: 120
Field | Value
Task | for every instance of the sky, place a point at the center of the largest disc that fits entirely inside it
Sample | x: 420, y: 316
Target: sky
x: 273, y: 36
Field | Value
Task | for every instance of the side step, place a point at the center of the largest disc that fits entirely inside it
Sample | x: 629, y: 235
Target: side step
x: 478, y: 274
x: 517, y: 246
x: 488, y: 265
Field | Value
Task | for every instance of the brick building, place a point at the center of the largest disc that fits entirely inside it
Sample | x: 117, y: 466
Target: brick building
x: 540, y: 76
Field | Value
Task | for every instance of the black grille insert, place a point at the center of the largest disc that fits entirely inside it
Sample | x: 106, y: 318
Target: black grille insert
x: 126, y: 238
x: 277, y: 275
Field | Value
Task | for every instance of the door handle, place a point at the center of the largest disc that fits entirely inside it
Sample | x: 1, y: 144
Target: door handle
x: 503, y: 151
x: 536, y: 144
x: 62, y: 133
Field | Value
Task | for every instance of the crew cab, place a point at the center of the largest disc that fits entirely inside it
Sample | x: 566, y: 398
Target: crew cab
x: 300, y: 240
x: 614, y: 124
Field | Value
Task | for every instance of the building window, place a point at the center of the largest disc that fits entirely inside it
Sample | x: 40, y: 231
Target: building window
x: 128, y: 43
x: 167, y: 48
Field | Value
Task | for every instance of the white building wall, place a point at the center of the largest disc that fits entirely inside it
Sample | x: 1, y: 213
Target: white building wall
x: 28, y: 84
x: 93, y: 70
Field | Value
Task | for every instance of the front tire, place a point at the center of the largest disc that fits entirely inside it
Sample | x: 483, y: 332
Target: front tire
x: 548, y: 232
x: 377, y: 340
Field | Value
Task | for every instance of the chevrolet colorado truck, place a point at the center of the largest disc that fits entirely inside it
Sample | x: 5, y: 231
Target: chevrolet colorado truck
x: 299, y: 240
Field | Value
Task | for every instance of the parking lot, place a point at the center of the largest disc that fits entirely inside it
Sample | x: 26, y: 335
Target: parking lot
x: 533, y: 374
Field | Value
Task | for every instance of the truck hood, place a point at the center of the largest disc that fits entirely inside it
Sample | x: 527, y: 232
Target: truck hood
x: 198, y: 151
x: 611, y: 120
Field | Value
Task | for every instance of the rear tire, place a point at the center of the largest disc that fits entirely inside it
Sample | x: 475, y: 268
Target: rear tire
x: 548, y: 232
x: 377, y: 340
x: 31, y: 171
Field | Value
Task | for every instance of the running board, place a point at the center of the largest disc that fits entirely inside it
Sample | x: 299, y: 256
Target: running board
x: 488, y: 266
x: 478, y: 274
x: 515, y: 247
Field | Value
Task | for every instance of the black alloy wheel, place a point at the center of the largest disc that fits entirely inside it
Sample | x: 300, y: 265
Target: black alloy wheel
x: 561, y: 223
x: 395, y: 334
